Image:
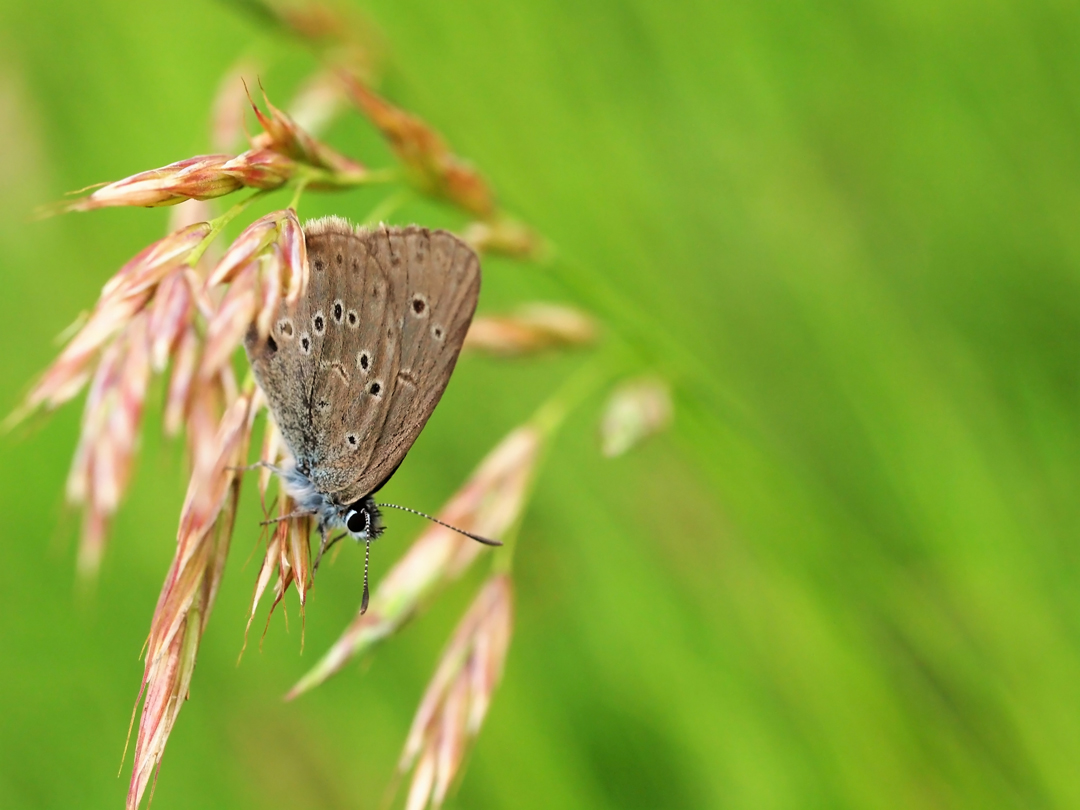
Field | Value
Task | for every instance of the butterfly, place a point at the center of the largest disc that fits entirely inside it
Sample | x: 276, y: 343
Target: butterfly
x: 354, y: 370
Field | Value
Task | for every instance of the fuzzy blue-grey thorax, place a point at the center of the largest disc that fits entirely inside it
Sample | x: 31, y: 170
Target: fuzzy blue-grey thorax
x: 361, y: 518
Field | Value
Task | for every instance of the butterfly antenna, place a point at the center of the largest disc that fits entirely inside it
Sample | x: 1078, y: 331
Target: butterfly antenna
x: 367, y: 560
x: 475, y: 537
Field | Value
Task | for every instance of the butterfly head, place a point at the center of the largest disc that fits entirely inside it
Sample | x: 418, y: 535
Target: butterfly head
x: 362, y: 519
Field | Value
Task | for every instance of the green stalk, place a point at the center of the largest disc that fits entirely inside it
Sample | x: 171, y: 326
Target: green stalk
x: 547, y: 420
x: 294, y: 203
x: 217, y: 225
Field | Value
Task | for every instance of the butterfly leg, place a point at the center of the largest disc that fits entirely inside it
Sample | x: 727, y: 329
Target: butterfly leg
x: 324, y: 547
x: 258, y: 465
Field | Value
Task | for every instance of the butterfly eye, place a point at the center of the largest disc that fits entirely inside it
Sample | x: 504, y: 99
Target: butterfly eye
x: 354, y: 521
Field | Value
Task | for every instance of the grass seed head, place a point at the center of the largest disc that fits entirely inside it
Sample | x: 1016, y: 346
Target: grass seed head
x: 199, y: 178
x: 506, y: 237
x: 184, y: 364
x: 230, y: 322
x: 456, y: 701
x: 529, y: 329
x: 294, y: 253
x: 283, y: 135
x: 434, y: 167
x: 270, y: 272
x: 107, y: 443
x: 187, y: 596
x: 171, y: 313
x: 247, y: 246
x: 123, y: 298
x: 261, y: 168
x: 635, y: 410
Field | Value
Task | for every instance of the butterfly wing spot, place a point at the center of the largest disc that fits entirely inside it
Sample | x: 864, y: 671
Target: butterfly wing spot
x: 352, y: 439
x: 338, y: 259
x: 319, y: 323
x: 352, y: 318
x: 419, y: 305
x: 285, y: 328
x: 322, y: 404
x: 339, y: 310
x: 271, y: 345
x: 305, y: 343
x: 363, y: 361
x: 376, y: 388
x: 320, y: 265
x: 437, y: 332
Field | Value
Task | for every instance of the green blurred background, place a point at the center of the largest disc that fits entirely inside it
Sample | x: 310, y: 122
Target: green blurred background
x: 849, y: 577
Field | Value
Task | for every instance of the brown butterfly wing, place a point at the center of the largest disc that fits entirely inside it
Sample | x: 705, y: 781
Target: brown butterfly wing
x: 386, y: 313
x: 433, y: 295
x: 285, y: 365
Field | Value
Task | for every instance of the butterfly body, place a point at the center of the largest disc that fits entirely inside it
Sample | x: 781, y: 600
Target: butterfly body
x: 353, y: 372
x: 361, y: 519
